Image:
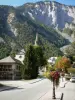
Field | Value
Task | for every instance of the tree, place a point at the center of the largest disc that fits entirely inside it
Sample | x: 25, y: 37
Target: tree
x: 33, y: 60
x: 30, y: 70
x: 63, y: 64
x: 70, y: 50
x: 41, y: 60
x: 4, y: 50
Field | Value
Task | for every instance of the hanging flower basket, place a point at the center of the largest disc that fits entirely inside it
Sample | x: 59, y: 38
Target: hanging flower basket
x: 54, y: 77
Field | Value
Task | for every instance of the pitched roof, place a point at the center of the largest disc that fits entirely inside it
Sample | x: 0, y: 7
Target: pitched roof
x: 8, y: 59
x: 22, y: 52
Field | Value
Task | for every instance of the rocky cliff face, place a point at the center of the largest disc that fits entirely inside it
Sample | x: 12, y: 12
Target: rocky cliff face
x: 50, y: 13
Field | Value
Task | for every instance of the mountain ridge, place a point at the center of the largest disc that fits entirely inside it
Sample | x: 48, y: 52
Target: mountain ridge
x: 51, y: 12
x: 18, y: 29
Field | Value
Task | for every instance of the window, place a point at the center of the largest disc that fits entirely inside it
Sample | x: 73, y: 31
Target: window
x: 20, y: 56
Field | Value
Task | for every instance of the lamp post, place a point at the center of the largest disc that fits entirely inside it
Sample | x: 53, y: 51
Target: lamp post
x: 53, y: 95
x: 54, y: 76
x: 62, y: 75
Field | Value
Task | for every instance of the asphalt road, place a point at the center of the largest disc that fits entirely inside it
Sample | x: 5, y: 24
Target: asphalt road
x: 30, y: 92
x: 36, y: 91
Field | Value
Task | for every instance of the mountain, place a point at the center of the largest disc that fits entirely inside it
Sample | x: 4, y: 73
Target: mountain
x: 50, y: 13
x: 18, y: 27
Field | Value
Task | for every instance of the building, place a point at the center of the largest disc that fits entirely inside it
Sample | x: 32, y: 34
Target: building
x: 52, y: 60
x: 9, y: 68
x: 20, y: 56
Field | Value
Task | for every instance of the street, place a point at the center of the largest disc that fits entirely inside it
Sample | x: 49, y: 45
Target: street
x: 36, y: 91
x: 28, y: 92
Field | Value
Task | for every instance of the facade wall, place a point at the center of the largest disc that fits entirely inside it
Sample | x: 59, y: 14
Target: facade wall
x: 9, y: 71
x: 5, y: 71
x: 20, y: 57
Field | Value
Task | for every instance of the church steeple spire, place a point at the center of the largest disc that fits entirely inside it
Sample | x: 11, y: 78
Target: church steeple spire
x: 36, y: 40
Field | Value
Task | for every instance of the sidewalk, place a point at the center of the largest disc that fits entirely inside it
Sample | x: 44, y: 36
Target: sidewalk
x: 48, y: 96
x: 59, y: 95
x: 63, y: 83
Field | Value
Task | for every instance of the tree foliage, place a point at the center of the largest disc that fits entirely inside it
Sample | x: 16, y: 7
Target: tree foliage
x: 33, y: 60
x: 68, y: 31
x: 70, y: 51
x: 4, y: 50
x: 41, y: 60
x: 30, y: 63
x: 63, y: 63
x: 71, y: 70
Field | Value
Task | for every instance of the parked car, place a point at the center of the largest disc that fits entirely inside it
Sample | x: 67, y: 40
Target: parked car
x: 72, y: 79
x: 67, y: 76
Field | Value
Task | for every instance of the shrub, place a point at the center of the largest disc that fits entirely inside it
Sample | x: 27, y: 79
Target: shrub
x: 50, y: 68
x: 71, y: 70
x: 46, y: 74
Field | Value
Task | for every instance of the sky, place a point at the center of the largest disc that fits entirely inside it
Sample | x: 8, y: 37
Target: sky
x: 21, y: 2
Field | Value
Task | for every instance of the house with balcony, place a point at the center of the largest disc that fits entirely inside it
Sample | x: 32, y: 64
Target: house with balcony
x: 9, y: 68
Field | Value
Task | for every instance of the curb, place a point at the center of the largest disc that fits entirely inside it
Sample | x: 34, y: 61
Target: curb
x: 36, y: 81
